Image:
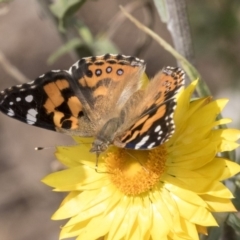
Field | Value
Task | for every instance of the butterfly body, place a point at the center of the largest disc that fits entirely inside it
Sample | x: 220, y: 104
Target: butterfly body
x: 100, y: 97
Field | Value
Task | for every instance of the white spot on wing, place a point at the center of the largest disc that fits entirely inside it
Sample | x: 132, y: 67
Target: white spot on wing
x: 30, y: 82
x: 41, y: 76
x: 142, y: 142
x: 18, y: 99
x: 29, y: 98
x: 56, y: 71
x: 75, y: 64
x: 151, y: 145
x: 11, y: 103
x: 31, y: 116
x: 10, y: 112
x: 126, y: 56
x: 157, y: 129
x: 70, y: 69
x: 160, y: 133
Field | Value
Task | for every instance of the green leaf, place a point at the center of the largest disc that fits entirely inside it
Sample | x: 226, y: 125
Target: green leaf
x: 213, y: 234
x: 234, y: 221
x: 63, y: 9
x: 85, y: 34
x: 66, y: 48
x: 104, y: 45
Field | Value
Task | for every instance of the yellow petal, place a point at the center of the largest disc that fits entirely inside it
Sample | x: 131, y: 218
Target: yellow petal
x: 203, y: 186
x: 225, y: 138
x: 158, y: 200
x: 102, y: 223
x: 187, y: 231
x: 227, y: 134
x: 91, y: 206
x: 177, y: 150
x: 70, y: 156
x: 193, y: 213
x: 72, y: 231
x: 69, y: 207
x: 186, y: 195
x: 119, y: 224
x: 219, y: 169
x: 158, y: 221
x: 230, y: 170
x: 73, y: 178
x: 193, y: 160
x: 145, y: 218
x: 218, y: 204
x: 173, y: 210
x: 95, y: 223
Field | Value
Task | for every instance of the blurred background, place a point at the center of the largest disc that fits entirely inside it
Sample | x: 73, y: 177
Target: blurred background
x: 30, y: 40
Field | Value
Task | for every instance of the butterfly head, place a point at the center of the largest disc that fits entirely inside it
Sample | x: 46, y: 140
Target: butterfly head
x: 99, y: 146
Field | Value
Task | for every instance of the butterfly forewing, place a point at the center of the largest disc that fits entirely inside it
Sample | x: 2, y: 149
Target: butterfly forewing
x: 106, y: 82
x: 48, y: 102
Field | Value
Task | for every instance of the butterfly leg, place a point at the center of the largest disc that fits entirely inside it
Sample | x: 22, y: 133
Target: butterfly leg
x: 96, y: 163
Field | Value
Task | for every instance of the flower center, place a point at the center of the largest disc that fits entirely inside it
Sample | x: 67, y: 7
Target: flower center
x: 136, y: 171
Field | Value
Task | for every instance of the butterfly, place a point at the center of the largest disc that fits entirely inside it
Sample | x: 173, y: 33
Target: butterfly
x: 100, y: 97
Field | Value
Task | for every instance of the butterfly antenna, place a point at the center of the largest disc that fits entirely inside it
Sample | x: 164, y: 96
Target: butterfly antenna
x: 50, y: 147
x: 43, y: 148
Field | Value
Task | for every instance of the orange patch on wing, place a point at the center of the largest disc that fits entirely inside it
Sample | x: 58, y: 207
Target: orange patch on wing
x: 75, y: 106
x: 159, y: 114
x: 129, y: 133
x: 82, y: 82
x: 62, y: 84
x: 54, y: 94
x: 92, y: 81
x: 148, y: 121
x: 134, y: 135
x: 57, y: 120
x: 49, y: 106
x: 140, y: 121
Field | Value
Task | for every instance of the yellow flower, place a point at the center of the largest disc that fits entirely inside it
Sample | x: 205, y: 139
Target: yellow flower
x: 166, y: 193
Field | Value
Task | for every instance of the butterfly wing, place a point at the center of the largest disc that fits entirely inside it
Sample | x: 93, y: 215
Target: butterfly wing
x: 48, y: 102
x: 147, y: 118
